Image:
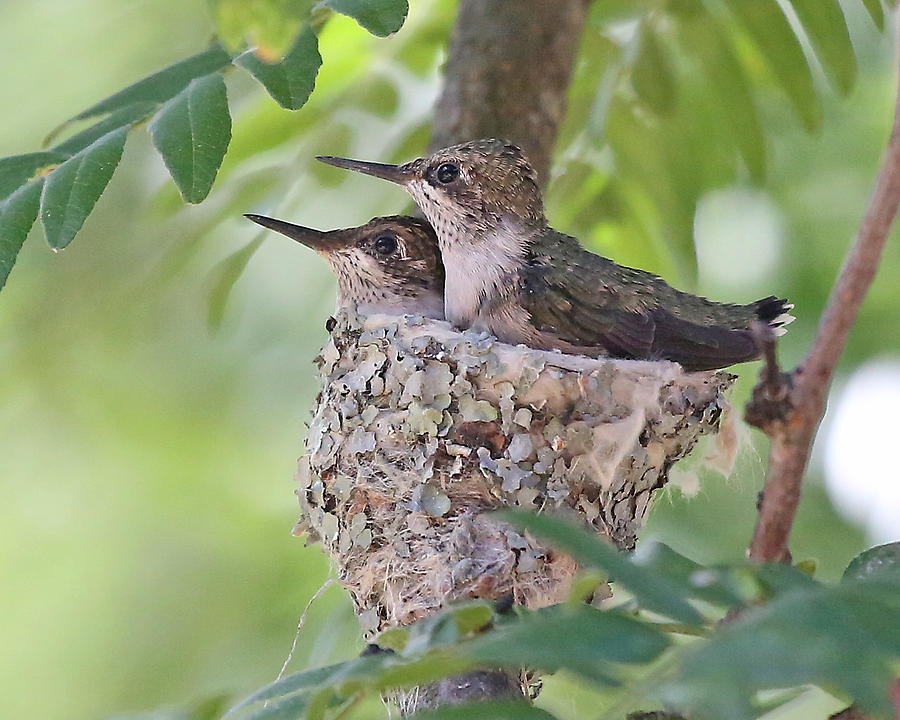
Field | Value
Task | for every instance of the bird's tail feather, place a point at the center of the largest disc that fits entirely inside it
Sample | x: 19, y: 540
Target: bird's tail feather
x: 775, y: 312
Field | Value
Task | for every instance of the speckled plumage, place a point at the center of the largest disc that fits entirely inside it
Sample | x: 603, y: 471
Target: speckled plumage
x: 407, y: 280
x: 510, y: 273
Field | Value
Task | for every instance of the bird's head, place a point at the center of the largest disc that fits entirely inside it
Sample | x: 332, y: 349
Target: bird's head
x: 466, y: 190
x: 390, y: 264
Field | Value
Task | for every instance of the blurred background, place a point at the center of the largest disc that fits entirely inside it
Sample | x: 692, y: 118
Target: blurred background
x: 155, y: 377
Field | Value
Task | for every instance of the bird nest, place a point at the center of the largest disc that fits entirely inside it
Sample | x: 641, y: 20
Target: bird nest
x: 419, y: 431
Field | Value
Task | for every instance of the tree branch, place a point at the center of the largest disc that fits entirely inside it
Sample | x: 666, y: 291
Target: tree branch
x: 508, y: 71
x: 791, y: 422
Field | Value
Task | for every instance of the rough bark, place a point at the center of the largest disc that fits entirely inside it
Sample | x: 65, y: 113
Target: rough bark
x: 508, y: 71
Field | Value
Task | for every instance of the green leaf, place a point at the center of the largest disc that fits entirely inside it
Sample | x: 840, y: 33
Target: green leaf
x: 843, y: 638
x: 290, y: 81
x: 499, y: 710
x: 652, y: 591
x: 709, y: 584
x: 472, y: 616
x: 320, y: 703
x: 17, y: 170
x: 874, y: 561
x: 287, y: 708
x: 388, y: 671
x: 778, y: 579
x: 651, y: 75
x: 447, y: 627
x: 876, y: 12
x: 379, y: 17
x: 126, y: 116
x: 191, y: 132
x: 874, y: 602
x: 163, y: 85
x: 289, y: 685
x: 583, y: 640
x: 73, y: 188
x: 826, y: 27
x: 395, y: 638
x: 17, y: 214
x: 770, y: 30
x: 368, y: 671
x: 209, y: 708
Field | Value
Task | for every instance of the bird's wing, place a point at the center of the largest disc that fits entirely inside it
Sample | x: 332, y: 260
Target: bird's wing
x: 700, y: 347
x: 588, y: 301
x: 582, y: 311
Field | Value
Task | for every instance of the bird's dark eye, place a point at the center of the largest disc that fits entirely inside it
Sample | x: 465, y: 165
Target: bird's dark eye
x: 447, y: 173
x: 385, y: 245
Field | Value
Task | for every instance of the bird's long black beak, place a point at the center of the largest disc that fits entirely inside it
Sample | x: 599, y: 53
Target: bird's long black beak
x: 399, y: 174
x: 315, y: 239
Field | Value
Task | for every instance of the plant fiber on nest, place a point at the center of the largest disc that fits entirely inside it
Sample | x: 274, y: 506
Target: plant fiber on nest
x: 419, y: 431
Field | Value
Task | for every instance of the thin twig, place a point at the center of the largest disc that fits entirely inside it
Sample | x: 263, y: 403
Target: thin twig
x: 771, y: 400
x: 804, y: 403
x: 301, y: 622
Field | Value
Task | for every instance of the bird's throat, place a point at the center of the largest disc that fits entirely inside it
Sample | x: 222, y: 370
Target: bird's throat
x: 479, y: 269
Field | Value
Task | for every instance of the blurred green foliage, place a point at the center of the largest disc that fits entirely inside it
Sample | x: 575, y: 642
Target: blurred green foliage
x: 785, y: 630
x: 190, y: 121
x: 146, y: 467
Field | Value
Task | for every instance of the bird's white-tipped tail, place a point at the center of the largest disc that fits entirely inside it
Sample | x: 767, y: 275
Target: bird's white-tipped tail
x: 775, y: 312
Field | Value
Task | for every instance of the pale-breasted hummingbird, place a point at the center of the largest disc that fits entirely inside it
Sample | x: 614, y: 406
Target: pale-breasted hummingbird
x: 389, y: 265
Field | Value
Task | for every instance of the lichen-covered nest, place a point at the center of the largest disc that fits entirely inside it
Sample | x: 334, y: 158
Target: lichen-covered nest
x: 419, y: 430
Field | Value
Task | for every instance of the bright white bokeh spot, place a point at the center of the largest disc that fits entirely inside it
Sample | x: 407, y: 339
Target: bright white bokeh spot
x: 739, y: 234
x: 861, y: 446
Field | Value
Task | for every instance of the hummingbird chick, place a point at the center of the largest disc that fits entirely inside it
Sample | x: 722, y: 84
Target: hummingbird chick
x: 510, y: 273
x: 389, y: 265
